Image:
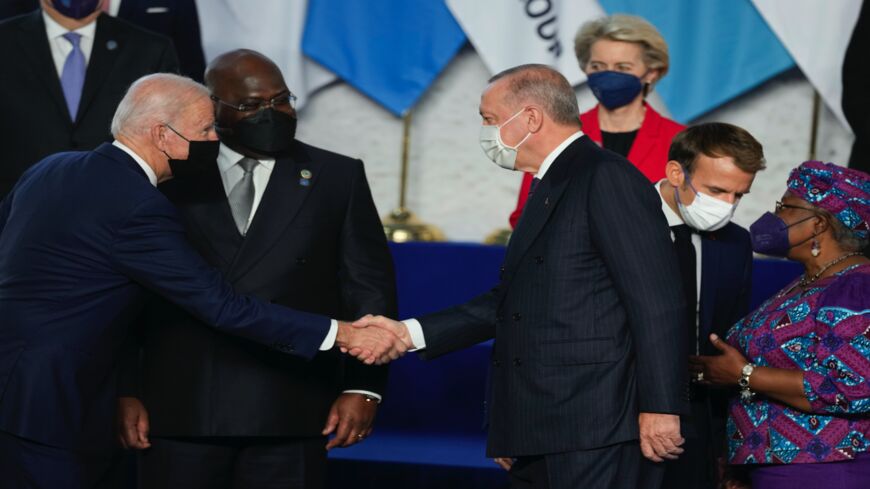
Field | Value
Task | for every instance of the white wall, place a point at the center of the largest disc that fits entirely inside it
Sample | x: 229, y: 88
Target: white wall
x: 452, y: 185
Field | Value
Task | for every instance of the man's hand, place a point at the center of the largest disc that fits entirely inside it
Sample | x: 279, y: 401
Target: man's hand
x: 725, y: 369
x: 398, y: 328
x: 133, y: 424
x: 660, y: 436
x: 369, y: 345
x: 504, y: 462
x: 350, y: 418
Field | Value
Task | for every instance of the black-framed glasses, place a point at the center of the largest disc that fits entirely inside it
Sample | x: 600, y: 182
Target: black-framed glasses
x: 279, y: 101
x: 780, y: 206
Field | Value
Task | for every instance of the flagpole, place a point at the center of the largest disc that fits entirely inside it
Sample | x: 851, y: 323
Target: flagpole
x: 401, y: 225
x: 814, y: 126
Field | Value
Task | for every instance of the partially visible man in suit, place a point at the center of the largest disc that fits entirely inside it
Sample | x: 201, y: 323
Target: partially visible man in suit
x: 176, y: 19
x: 291, y: 224
x: 66, y: 67
x: 589, y: 345
x: 82, y: 236
x: 712, y: 166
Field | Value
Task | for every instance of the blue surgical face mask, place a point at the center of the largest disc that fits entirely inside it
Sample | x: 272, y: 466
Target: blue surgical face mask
x: 614, y: 89
x: 75, y: 9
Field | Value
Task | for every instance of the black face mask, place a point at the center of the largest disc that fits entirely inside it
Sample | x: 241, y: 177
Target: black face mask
x: 200, y: 156
x: 269, y: 132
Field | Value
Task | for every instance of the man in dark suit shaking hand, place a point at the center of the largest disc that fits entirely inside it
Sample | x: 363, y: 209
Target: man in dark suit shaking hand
x: 82, y: 236
x: 588, y: 364
x: 288, y: 223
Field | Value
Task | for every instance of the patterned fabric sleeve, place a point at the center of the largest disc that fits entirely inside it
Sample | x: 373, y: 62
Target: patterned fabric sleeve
x: 838, y: 380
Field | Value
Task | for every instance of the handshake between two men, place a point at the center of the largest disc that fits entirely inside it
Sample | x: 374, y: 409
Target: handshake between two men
x: 374, y: 339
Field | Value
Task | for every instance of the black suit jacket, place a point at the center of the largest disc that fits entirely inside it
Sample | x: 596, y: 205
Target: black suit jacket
x: 37, y: 121
x: 587, y: 317
x: 318, y: 247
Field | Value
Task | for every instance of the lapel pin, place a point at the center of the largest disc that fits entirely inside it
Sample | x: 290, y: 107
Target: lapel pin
x: 306, y: 178
x: 112, y: 45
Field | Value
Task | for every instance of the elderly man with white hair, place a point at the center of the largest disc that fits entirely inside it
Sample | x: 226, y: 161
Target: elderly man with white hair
x: 83, y: 235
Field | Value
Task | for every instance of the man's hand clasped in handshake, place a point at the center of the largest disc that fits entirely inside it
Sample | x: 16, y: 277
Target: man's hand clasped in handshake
x: 374, y: 339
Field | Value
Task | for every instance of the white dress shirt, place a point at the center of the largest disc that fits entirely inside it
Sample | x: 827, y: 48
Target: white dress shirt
x: 674, y: 219
x: 231, y: 173
x: 415, y: 330
x: 60, y: 47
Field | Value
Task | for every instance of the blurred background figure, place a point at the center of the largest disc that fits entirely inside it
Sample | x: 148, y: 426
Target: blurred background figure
x: 623, y: 57
x: 801, y: 360
x: 70, y: 67
x: 856, y: 97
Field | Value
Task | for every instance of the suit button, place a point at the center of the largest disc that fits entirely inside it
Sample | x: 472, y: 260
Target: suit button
x: 496, y: 363
x: 517, y: 362
x: 517, y: 316
x: 539, y: 260
x: 300, y: 261
x: 499, y: 318
x: 501, y: 273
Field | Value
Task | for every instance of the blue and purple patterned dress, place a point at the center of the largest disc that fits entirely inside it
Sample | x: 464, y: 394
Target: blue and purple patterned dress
x: 822, y: 331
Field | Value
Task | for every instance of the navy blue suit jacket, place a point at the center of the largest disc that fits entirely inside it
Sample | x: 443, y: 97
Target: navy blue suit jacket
x: 587, y: 319
x: 82, y: 236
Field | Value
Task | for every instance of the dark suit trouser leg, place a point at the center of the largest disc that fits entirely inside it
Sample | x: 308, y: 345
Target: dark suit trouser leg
x: 233, y: 463
x: 613, y: 467
x: 25, y: 464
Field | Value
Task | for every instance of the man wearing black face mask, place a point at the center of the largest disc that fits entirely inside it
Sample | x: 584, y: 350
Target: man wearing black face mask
x: 291, y: 224
x: 67, y: 66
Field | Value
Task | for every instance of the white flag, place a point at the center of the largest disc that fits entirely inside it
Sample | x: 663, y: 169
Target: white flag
x: 272, y: 27
x: 816, y: 34
x: 510, y: 33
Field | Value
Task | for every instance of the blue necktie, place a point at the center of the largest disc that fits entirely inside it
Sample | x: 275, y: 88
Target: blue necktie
x: 73, y: 77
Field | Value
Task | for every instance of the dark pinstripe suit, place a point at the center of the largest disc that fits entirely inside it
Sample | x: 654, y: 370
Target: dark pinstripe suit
x: 588, y: 315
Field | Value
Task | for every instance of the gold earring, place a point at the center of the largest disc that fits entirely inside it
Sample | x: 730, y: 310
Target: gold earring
x: 816, y: 250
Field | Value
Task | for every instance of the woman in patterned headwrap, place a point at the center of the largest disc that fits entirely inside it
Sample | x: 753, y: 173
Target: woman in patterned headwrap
x: 800, y: 363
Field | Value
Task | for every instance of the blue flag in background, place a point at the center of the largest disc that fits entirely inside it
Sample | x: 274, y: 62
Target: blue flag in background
x: 719, y: 50
x: 390, y: 50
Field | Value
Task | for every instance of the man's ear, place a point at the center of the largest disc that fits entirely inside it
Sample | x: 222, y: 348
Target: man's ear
x: 675, y: 174
x: 535, y: 118
x: 158, y: 136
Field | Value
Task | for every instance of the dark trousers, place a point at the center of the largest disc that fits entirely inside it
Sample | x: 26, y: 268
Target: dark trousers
x: 25, y: 464
x: 233, y: 463
x: 613, y: 467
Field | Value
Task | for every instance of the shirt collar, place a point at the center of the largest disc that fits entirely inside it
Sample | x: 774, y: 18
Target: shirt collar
x: 56, y: 30
x: 673, y: 218
x: 227, y: 158
x: 555, y: 154
x: 152, y: 177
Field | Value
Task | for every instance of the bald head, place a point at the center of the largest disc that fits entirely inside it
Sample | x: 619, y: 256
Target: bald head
x: 242, y: 72
x: 543, y: 86
x: 155, y: 99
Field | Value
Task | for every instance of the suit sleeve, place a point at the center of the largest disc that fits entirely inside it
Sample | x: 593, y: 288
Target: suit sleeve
x: 5, y: 207
x: 150, y: 249
x: 460, y: 326
x: 368, y: 280
x: 188, y: 41
x: 744, y: 297
x: 631, y: 233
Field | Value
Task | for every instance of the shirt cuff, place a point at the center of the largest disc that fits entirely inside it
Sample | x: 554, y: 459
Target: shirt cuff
x: 329, y: 341
x: 365, y: 393
x: 415, y: 331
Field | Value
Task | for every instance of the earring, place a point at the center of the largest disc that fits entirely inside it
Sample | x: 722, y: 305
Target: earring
x: 816, y: 250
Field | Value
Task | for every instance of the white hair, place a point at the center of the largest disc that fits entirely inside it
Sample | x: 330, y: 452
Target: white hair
x: 154, y: 99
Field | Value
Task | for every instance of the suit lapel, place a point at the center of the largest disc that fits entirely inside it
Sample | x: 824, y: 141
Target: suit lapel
x: 281, y: 201
x: 542, y: 204
x: 33, y: 42
x: 205, y: 206
x: 108, y: 42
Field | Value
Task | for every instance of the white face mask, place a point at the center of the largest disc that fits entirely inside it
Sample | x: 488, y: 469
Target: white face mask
x: 706, y: 213
x: 495, y: 149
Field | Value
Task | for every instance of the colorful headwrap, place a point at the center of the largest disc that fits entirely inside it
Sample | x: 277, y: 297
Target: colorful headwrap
x: 844, y: 192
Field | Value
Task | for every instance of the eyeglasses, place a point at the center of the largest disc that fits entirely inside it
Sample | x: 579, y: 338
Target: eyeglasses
x: 279, y: 101
x: 780, y: 206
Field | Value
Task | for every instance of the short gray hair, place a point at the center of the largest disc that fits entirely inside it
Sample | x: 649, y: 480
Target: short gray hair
x: 154, y: 99
x: 625, y: 28
x: 544, y: 86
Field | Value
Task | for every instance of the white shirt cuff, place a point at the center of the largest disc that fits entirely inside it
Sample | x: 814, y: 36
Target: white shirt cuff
x: 329, y: 341
x: 365, y: 393
x: 415, y: 331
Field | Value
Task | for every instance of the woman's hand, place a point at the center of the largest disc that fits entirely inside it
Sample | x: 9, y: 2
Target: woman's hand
x: 724, y: 369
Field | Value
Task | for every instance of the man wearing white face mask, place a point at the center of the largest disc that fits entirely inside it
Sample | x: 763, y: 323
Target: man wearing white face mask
x: 711, y: 167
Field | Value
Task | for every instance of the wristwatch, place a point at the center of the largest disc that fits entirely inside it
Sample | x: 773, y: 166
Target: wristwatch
x: 746, y: 393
